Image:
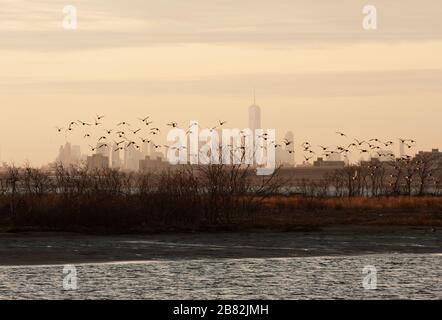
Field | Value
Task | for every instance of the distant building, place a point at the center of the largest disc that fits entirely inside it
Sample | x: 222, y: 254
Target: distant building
x: 255, y: 117
x: 104, y: 150
x: 321, y: 163
x: 334, y: 157
x: 434, y: 155
x: 155, y: 164
x: 434, y: 152
x: 116, y: 157
x: 97, y: 161
x: 289, y: 151
x: 69, y: 155
x: 132, y: 157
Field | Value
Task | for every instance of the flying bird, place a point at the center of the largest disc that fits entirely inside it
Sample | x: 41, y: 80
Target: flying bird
x: 84, y: 123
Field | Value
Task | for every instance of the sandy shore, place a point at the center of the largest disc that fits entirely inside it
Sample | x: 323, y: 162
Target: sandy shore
x: 63, y: 248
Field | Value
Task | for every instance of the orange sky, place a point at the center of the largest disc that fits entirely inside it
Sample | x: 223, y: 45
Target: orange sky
x: 314, y: 69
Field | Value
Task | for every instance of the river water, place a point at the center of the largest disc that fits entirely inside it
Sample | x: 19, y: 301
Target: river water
x: 256, y: 266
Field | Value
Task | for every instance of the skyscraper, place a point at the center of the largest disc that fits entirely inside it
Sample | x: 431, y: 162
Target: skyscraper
x: 104, y: 150
x: 69, y: 155
x: 116, y: 157
x: 254, y: 116
x: 290, y: 149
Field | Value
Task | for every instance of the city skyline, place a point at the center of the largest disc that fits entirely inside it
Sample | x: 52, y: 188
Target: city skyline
x: 315, y: 69
x: 132, y: 155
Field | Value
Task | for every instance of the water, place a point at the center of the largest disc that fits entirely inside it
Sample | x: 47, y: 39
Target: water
x: 399, y: 276
x: 325, y: 265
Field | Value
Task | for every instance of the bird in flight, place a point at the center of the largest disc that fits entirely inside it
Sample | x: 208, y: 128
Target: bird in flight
x: 144, y: 140
x: 135, y: 131
x: 84, y: 123
x: 341, y: 134
x: 144, y: 119
x: 124, y: 123
x: 59, y: 129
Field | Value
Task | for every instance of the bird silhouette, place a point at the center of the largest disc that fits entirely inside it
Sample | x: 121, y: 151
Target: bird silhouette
x: 144, y: 119
x: 84, y: 123
x: 135, y: 131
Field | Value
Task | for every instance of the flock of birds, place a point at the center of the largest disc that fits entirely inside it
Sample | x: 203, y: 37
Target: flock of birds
x: 125, y: 135
x: 371, y: 147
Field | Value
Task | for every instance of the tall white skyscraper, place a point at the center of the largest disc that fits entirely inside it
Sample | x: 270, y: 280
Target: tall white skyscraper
x: 254, y: 116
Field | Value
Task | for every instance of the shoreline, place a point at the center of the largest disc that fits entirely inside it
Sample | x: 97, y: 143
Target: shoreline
x: 37, y: 248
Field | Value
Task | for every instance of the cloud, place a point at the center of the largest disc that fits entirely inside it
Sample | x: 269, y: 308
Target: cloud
x: 36, y: 24
x: 317, y: 84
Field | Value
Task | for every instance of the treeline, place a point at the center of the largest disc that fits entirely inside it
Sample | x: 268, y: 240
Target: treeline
x: 190, y: 198
x: 78, y: 198
x: 419, y: 176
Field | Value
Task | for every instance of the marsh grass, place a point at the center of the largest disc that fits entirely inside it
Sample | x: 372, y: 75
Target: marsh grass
x: 209, y: 198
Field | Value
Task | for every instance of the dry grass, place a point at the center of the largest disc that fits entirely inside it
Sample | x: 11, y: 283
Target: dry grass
x: 215, y: 198
x: 362, y: 211
x: 380, y: 204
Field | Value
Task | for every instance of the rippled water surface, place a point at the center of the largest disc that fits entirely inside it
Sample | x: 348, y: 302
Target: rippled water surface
x: 285, y: 265
x: 403, y: 276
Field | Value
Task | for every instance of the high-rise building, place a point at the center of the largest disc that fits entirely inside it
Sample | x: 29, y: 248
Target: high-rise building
x: 401, y: 148
x: 69, y: 155
x: 289, y: 149
x: 132, y: 157
x: 254, y: 116
x: 97, y: 162
x: 104, y: 150
x: 116, y: 157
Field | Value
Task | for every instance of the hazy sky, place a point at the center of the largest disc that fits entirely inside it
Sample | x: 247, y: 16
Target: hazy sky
x: 314, y: 67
